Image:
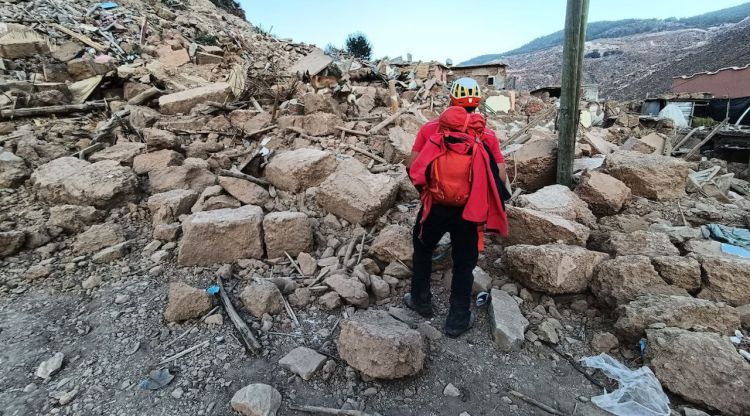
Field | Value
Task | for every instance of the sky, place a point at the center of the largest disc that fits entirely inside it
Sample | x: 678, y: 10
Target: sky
x: 440, y: 29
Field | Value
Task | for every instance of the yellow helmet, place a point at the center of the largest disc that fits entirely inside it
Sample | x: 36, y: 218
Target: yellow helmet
x: 465, y: 92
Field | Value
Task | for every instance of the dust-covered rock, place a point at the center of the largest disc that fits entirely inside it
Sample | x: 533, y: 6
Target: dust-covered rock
x: 303, y: 361
x: 684, y: 272
x: 256, y: 400
x: 287, y: 231
x: 643, y: 243
x: 122, y: 153
x: 191, y: 177
x: 73, y: 218
x: 533, y: 227
x: 650, y: 176
x: 160, y: 159
x: 245, y: 191
x: 186, y: 302
x: 183, y: 101
x: 393, y: 243
x: 507, y: 323
x: 535, y: 165
x: 604, y: 194
x: 728, y: 280
x: 623, y: 279
x: 11, y: 242
x: 166, y: 207
x: 13, y: 170
x: 97, y: 237
x: 350, y: 289
x: 261, y: 297
x: 157, y: 139
x: 300, y: 169
x: 561, y: 201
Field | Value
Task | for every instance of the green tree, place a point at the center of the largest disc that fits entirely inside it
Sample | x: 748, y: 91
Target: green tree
x: 358, y: 45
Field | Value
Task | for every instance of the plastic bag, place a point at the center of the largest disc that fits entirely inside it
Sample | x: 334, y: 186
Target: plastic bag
x: 639, y: 392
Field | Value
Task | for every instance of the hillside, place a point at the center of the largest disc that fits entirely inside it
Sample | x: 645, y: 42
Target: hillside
x: 626, y: 27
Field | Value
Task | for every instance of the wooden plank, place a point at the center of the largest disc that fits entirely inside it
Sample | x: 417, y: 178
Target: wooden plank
x: 710, y: 136
x: 83, y: 38
x: 52, y: 109
x: 251, y: 343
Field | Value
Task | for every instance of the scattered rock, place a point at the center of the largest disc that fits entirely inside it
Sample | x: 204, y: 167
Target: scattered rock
x: 561, y: 201
x: 393, y: 243
x: 451, y: 391
x: 604, y: 342
x: 122, y: 153
x: 287, y: 231
x: 245, y: 191
x: 186, y: 302
x: 11, y: 242
x: 262, y: 297
x: 744, y: 313
x: 187, y: 176
x: 604, y: 194
x: 167, y: 232
x: 728, y: 280
x: 537, y: 228
x: 37, y: 272
x: 553, y: 268
x: 482, y: 281
x: 50, y: 366
x: 91, y: 282
x: 379, y: 346
x: 547, y: 330
x: 300, y: 169
x: 321, y: 124
x: 535, y: 163
x: 160, y: 159
x: 256, y: 400
x: 166, y: 207
x: 330, y: 300
x: 507, y: 322
x: 307, y: 263
x: 621, y: 280
x: 650, y: 176
x: 13, y: 170
x: 97, y: 237
x: 73, y: 218
x: 352, y: 290
x: 684, y: 272
x: 157, y: 139
x: 183, y: 101
x: 110, y: 254
x: 643, y: 243
x: 303, y: 361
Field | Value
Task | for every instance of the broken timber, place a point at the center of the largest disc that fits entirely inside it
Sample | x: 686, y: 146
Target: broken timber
x: 246, y: 334
x: 698, y: 146
x: 52, y: 109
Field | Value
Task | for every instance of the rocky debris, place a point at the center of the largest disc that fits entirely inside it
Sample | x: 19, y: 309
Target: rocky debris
x: 644, y: 243
x: 303, y: 361
x: 355, y: 194
x: 744, y: 313
x: 92, y: 281
x: 307, y: 263
x: 69, y: 180
x: 650, y: 176
x: 256, y: 400
x: 13, y: 170
x: 300, y: 169
x: 561, y: 201
x: 399, y: 144
x: 321, y: 124
x: 37, y: 272
x: 535, y: 163
x: 393, y: 243
x: 604, y: 194
x: 287, y: 231
x: 330, y: 300
x: 186, y: 302
x: 727, y: 280
x: 604, y: 342
x: 351, y: 290
x: 221, y: 236
x: 553, y: 268
x: 538, y: 228
x: 157, y: 139
x: 675, y: 311
x: 73, y: 218
x: 380, y: 346
x: 262, y: 297
x: 49, y: 367
x: 623, y: 279
x: 184, y: 101
x: 160, y: 159
x: 167, y: 232
x: 187, y: 176
x: 549, y: 330
x: 166, y: 207
x: 507, y: 322
x: 245, y: 191
x: 112, y: 253
x: 701, y: 367
x: 684, y: 272
x: 11, y: 242
x: 451, y: 391
x: 122, y: 153
x: 142, y: 117
x: 97, y: 237
x: 482, y: 281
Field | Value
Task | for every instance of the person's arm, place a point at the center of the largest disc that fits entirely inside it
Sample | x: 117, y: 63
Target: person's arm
x: 503, y: 173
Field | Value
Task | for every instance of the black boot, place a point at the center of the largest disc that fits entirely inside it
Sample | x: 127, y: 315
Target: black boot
x: 424, y: 309
x: 458, y: 322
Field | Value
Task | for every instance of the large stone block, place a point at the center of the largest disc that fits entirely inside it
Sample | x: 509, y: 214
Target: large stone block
x: 191, y: 177
x: 527, y: 226
x: 287, y: 231
x: 728, y: 280
x: 623, y: 279
x: 650, y: 176
x: 300, y: 169
x: 122, y: 153
x: 561, y: 201
x: 641, y: 243
x: 534, y: 165
x: 245, y: 191
x: 393, y: 243
x: 604, y: 194
x: 183, y: 101
x: 507, y: 322
x: 166, y: 207
x: 13, y: 170
x: 160, y: 159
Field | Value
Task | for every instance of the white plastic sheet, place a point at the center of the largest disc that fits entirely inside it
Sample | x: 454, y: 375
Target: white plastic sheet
x: 639, y: 392
x: 673, y: 112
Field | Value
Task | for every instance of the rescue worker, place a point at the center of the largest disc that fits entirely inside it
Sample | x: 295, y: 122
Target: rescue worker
x: 456, y: 164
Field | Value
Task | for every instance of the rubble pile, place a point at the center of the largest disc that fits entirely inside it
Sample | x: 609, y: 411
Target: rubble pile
x: 164, y: 141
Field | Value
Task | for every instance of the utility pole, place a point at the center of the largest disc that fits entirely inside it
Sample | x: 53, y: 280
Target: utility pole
x: 575, y: 38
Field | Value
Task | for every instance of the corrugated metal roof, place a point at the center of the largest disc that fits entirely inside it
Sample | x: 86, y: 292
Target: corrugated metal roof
x: 731, y: 68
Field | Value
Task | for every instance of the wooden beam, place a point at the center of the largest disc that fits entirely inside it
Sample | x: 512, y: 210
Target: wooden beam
x: 52, y: 109
x: 240, y: 175
x: 83, y: 38
x: 710, y: 136
x: 354, y: 132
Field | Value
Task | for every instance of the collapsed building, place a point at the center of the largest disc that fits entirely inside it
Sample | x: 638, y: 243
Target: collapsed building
x: 255, y: 189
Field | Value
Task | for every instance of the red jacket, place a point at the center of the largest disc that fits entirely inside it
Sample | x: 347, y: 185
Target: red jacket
x: 484, y: 205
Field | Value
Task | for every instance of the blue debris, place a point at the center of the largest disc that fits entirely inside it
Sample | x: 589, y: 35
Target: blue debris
x: 735, y: 250
x: 108, y: 5
x: 213, y: 289
x: 642, y: 346
x: 156, y: 379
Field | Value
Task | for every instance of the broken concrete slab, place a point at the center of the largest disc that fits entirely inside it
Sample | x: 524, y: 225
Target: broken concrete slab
x: 604, y: 194
x: 623, y: 279
x: 183, y: 101
x: 727, y: 280
x: 650, y: 176
x: 561, y: 201
x: 507, y: 322
x: 303, y: 361
x: 553, y: 268
x: 300, y: 169
x: 355, y: 194
x: 380, y: 346
x: 222, y: 236
x: 287, y: 231
x: 533, y: 227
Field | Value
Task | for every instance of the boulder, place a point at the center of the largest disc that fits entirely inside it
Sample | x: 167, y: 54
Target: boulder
x: 222, y: 236
x: 11, y: 242
x: 307, y: 263
x: 157, y: 139
x: 604, y: 342
x: 167, y: 232
x: 122, y: 153
x: 507, y: 323
x: 248, y: 120
x: 554, y: 269
x: 97, y: 237
x: 69, y: 180
x: 220, y: 202
x: 701, y: 367
x: 650, y: 176
x: 604, y: 194
x: 261, y: 297
x: 623, y: 279
x: 303, y: 361
x: 643, y: 243
x: 192, y: 177
x: 561, y: 201
x: 166, y: 207
x: 330, y: 301
x: 321, y: 124
x: 393, y: 243
x: 13, y: 170
x: 208, y: 193
x: 527, y: 226
x: 287, y: 231
x: 186, y: 302
x: 142, y: 117
x: 351, y: 290
x: 183, y: 101
x: 535, y: 165
x: 73, y: 218
x: 146, y: 162
x: 355, y: 194
x: 319, y: 103
x: 728, y: 280
x: 684, y: 272
x: 110, y: 254
x: 256, y: 400
x: 245, y: 191
x: 380, y: 346
x: 398, y: 146
x: 300, y: 169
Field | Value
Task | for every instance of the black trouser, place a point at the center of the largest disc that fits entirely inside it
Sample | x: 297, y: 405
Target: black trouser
x: 464, y: 251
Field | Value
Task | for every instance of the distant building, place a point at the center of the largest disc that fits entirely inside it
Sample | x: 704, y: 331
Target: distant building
x: 725, y: 83
x: 487, y: 75
x: 422, y: 70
